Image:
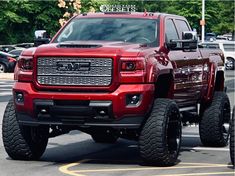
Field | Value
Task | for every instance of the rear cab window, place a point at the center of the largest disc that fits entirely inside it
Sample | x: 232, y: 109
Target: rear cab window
x: 181, y: 26
x: 170, y: 31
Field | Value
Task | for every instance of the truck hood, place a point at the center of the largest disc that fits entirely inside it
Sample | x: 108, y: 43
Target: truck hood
x: 87, y: 48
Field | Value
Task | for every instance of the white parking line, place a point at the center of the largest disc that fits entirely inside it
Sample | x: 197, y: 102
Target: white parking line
x: 5, y: 85
x: 5, y: 89
x: 5, y: 93
x: 191, y: 135
x: 196, y: 148
x: 206, y: 149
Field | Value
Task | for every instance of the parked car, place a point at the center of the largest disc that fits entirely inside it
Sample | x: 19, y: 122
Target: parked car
x: 228, y: 48
x: 7, y: 62
x: 7, y: 48
x: 17, y: 51
x: 229, y: 36
x: 210, y: 37
x: 25, y: 45
x: 220, y: 37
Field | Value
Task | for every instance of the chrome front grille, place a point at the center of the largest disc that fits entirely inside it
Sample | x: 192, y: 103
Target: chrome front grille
x: 74, y: 71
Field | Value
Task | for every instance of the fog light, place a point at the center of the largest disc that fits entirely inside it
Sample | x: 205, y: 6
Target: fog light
x: 19, y: 97
x: 133, y: 100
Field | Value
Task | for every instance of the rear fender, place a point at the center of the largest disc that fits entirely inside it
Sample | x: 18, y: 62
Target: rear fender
x: 211, y: 82
x: 215, y: 81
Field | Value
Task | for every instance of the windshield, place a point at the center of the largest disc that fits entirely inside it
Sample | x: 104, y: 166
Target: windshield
x: 143, y: 31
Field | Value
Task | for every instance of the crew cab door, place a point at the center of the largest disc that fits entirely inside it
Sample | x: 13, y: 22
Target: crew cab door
x: 187, y: 67
x: 195, y: 66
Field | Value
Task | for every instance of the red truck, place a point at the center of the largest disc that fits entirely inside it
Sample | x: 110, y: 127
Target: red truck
x: 138, y: 76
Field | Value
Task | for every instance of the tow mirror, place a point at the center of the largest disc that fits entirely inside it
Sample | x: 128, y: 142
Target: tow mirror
x: 189, y: 40
x: 41, y: 37
x: 189, y: 35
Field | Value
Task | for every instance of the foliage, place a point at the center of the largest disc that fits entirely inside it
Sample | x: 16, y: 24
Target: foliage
x: 20, y: 18
x: 219, y: 13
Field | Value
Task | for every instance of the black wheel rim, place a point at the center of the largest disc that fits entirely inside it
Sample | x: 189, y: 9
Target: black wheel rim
x: 2, y: 68
x: 174, y: 133
x: 226, y: 121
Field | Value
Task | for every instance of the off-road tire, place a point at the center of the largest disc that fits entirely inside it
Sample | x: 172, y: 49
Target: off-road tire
x: 104, y: 137
x: 22, y: 142
x: 232, y: 136
x: 160, y: 138
x: 212, y: 130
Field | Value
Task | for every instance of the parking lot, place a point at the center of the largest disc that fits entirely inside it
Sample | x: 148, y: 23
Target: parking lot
x: 76, y: 154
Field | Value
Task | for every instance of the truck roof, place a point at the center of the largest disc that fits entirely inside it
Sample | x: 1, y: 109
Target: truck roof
x: 149, y: 15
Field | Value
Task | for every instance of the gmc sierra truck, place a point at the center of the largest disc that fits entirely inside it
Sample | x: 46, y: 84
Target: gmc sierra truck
x: 138, y: 76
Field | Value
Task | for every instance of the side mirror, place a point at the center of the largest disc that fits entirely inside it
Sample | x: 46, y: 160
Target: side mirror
x: 41, y: 37
x: 189, y: 40
x: 189, y: 35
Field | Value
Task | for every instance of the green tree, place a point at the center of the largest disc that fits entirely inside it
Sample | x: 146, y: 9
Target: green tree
x: 219, y: 13
x: 20, y: 18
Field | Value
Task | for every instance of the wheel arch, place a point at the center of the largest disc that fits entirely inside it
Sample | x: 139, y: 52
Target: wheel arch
x: 164, y: 85
x: 215, y: 82
x: 219, y: 81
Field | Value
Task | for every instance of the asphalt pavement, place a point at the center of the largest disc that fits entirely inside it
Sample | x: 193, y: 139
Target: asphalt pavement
x: 76, y: 154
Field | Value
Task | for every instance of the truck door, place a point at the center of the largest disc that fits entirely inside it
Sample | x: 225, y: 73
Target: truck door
x: 196, y: 64
x: 182, y: 94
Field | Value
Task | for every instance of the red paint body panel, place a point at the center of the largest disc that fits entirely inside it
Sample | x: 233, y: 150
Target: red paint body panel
x: 191, y: 72
x: 118, y: 98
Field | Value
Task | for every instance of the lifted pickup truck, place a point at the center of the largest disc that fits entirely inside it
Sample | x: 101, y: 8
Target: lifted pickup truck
x: 137, y: 76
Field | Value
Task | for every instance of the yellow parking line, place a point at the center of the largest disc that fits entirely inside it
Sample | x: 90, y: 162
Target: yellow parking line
x: 65, y: 169
x: 145, y: 168
x: 200, y: 174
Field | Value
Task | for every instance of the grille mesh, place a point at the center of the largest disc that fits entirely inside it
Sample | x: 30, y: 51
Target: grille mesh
x: 96, y: 72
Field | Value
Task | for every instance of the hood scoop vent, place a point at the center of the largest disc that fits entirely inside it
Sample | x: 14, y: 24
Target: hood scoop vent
x: 72, y: 45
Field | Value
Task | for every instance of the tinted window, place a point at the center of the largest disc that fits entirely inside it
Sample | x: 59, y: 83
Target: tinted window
x: 16, y: 52
x: 181, y: 26
x: 211, y: 46
x: 171, y: 32
x: 111, y: 29
x: 229, y: 47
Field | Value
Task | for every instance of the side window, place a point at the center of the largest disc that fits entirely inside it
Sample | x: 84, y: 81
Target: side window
x: 182, y: 26
x: 170, y: 30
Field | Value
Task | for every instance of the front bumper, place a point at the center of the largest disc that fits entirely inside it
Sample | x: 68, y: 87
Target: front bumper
x: 84, y: 109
